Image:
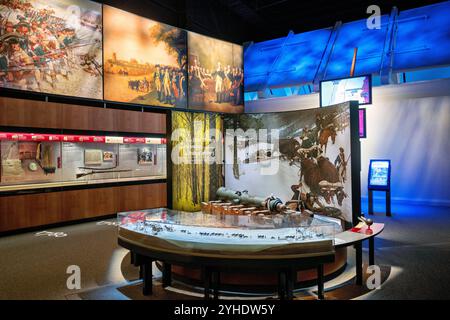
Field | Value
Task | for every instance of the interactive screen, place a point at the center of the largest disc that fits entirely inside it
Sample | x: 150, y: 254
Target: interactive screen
x: 379, y: 174
x: 347, y: 89
x: 362, y: 123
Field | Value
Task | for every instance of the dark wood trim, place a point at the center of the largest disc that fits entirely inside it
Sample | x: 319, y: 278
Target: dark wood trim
x: 24, y: 211
x: 355, y: 161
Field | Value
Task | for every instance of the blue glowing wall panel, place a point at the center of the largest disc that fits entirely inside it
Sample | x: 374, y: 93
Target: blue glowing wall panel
x: 423, y: 37
x: 300, y: 58
x: 370, y: 45
x: 286, y: 61
x: 258, y: 61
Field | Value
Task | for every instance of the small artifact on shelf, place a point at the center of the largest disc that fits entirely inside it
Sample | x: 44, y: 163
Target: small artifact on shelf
x: 32, y: 166
x: 98, y: 171
x: 27, y: 150
x: 10, y: 165
x: 44, y: 157
x: 367, y: 222
x: 93, y: 157
x: 108, y: 156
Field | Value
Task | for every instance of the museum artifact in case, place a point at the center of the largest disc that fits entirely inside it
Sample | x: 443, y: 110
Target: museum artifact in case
x: 31, y: 161
x: 172, y: 229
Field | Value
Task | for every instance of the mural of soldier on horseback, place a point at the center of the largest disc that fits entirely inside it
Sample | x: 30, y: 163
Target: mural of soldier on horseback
x: 313, y: 174
x: 50, y: 46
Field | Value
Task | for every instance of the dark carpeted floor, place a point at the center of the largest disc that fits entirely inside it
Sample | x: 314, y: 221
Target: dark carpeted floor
x: 415, y: 243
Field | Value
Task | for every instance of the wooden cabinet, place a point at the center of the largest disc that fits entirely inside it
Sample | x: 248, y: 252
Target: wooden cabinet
x: 52, y: 115
x: 32, y: 210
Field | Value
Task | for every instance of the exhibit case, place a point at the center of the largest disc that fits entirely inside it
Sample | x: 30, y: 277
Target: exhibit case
x: 171, y: 229
x: 42, y: 160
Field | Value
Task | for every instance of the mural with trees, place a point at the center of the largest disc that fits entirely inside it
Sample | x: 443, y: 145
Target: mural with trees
x: 197, y: 169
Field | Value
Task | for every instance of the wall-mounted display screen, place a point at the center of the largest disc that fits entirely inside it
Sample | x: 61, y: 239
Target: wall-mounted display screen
x: 215, y: 74
x: 52, y: 46
x: 145, y: 61
x: 346, y: 89
x: 362, y: 123
x: 37, y: 160
x: 379, y: 174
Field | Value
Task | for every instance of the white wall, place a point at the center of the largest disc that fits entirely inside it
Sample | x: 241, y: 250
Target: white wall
x: 407, y: 123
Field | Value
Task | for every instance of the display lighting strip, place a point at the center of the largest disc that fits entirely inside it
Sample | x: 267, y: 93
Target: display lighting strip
x: 78, y: 138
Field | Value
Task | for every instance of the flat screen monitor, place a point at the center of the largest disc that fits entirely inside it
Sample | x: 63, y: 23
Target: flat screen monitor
x: 346, y: 89
x: 380, y: 174
x: 362, y: 123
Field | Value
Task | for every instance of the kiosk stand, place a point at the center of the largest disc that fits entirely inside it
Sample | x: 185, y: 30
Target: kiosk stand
x: 380, y: 180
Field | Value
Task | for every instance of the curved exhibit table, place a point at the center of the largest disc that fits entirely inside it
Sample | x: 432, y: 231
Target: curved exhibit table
x: 236, y: 246
x: 285, y: 261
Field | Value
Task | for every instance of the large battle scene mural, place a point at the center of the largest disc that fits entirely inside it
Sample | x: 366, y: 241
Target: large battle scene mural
x: 215, y: 74
x: 52, y: 46
x: 145, y: 61
x: 313, y: 155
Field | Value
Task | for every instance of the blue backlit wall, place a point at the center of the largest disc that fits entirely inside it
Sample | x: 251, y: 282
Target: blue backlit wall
x: 407, y: 40
x: 409, y: 124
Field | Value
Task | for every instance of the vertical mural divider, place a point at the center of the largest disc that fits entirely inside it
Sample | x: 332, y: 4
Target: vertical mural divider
x: 355, y: 161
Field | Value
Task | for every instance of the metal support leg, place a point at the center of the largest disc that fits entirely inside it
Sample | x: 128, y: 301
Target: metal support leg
x: 371, y: 251
x: 388, y: 203
x: 359, y: 267
x: 320, y: 293
x: 290, y: 284
x: 282, y: 285
x: 370, y: 202
x: 166, y: 275
x: 206, y: 282
x: 147, y: 278
x: 132, y: 257
x: 216, y: 284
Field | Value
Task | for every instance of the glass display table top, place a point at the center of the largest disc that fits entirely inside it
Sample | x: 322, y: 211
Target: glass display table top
x: 200, y: 229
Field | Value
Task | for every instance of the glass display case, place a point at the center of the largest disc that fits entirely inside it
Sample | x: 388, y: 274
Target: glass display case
x: 42, y: 160
x: 197, y: 230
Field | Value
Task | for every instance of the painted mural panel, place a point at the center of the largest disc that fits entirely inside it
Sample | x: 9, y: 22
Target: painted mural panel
x: 52, y: 46
x: 145, y: 61
x: 215, y: 74
x: 306, y: 158
x: 196, y: 158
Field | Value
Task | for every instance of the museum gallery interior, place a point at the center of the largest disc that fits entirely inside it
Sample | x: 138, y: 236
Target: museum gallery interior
x: 251, y: 150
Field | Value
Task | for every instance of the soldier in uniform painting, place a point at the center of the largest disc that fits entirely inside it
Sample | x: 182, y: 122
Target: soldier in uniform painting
x: 157, y: 81
x: 219, y: 75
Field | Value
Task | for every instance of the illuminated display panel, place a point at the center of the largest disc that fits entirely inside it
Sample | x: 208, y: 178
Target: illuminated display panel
x: 362, y: 123
x: 370, y: 44
x: 216, y: 75
x: 282, y: 62
x: 52, y: 46
x: 379, y: 174
x: 346, y: 89
x: 422, y: 37
x: 145, y: 61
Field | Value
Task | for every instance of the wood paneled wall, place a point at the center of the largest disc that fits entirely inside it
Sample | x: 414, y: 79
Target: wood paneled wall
x: 52, y: 115
x: 32, y: 210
